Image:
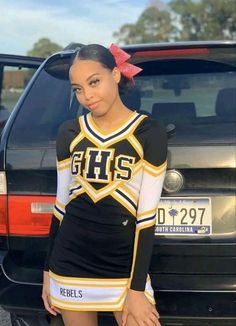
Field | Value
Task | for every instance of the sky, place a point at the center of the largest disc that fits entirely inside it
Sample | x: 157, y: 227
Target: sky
x: 24, y: 22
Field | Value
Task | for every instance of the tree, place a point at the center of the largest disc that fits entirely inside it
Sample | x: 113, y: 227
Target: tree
x: 182, y: 20
x: 44, y: 47
x: 205, y: 19
x: 153, y: 25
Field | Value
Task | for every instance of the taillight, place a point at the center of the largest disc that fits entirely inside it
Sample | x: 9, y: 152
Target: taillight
x: 29, y: 215
x: 3, y: 204
x: 24, y: 214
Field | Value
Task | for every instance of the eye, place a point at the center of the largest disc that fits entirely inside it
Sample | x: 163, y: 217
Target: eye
x: 77, y: 90
x: 94, y: 82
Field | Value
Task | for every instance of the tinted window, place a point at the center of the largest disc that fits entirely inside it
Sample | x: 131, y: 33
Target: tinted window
x: 47, y: 105
x: 13, y: 81
x: 198, y: 97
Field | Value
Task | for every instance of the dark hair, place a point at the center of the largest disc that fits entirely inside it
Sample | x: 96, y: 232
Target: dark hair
x: 100, y: 53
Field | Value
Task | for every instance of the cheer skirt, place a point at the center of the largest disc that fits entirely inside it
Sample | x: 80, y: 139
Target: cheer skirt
x: 90, y: 265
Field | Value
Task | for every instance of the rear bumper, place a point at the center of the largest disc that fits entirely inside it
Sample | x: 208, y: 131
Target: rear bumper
x: 175, y: 308
x: 198, y: 321
x: 196, y: 305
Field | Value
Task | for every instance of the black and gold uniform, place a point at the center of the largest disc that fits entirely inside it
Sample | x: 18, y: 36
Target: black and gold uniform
x: 108, y: 188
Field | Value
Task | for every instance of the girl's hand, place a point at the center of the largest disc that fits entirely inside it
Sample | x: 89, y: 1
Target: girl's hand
x: 46, y: 296
x: 137, y: 305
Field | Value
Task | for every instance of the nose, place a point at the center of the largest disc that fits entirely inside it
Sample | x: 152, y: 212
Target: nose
x: 88, y: 94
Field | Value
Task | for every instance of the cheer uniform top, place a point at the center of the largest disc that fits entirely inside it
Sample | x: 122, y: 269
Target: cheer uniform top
x: 102, y: 230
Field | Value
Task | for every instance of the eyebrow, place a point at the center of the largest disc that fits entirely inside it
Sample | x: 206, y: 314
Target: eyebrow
x: 75, y: 84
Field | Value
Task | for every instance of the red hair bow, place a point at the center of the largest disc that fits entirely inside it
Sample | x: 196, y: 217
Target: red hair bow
x: 127, y: 69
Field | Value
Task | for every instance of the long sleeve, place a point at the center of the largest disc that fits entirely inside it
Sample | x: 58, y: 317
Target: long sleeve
x: 63, y: 161
x: 154, y: 168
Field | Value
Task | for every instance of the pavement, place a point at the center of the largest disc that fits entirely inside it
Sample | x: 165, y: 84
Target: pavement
x: 4, y: 318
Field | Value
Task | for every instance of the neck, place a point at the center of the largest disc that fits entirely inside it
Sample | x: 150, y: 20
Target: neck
x: 114, y: 116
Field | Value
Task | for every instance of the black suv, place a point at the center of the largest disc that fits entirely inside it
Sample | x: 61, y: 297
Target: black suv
x: 191, y: 87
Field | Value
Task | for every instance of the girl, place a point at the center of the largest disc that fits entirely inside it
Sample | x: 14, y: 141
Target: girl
x: 111, y: 165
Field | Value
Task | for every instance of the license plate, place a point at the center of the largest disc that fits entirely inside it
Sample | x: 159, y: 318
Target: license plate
x: 184, y: 216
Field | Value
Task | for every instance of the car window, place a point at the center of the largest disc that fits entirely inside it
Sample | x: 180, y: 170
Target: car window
x: 196, y: 96
x: 13, y: 81
x: 48, y: 104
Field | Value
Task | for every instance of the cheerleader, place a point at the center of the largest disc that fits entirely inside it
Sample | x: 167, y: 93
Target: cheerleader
x: 111, y: 164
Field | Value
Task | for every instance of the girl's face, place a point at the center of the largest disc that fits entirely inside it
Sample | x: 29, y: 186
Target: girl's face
x: 96, y: 87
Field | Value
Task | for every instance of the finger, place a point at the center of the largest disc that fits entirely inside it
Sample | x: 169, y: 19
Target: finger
x: 151, y: 322
x: 155, y: 313
x: 47, y: 305
x: 139, y: 321
x: 48, y: 308
x: 124, y: 317
x: 154, y: 320
x: 56, y: 309
x: 142, y: 323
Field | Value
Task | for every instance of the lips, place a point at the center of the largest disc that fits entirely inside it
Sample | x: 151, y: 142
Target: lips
x: 94, y: 105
